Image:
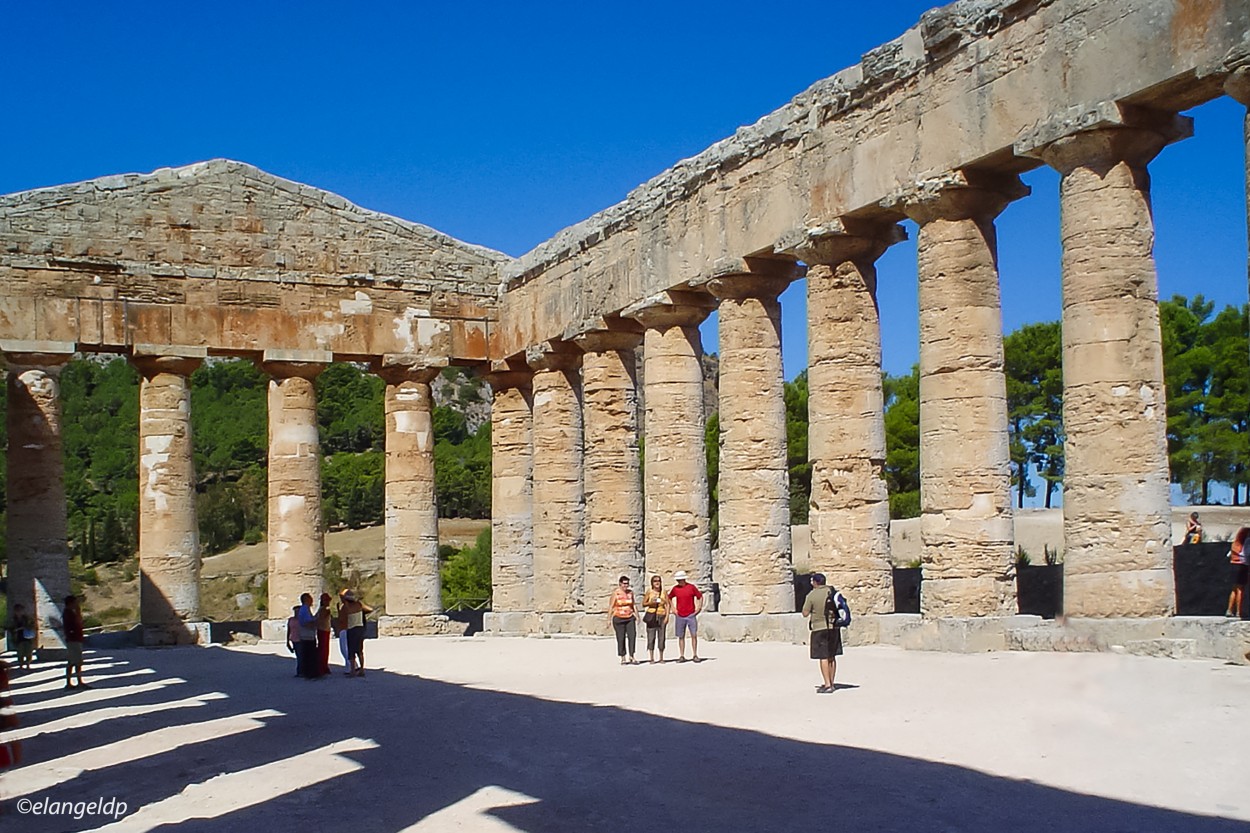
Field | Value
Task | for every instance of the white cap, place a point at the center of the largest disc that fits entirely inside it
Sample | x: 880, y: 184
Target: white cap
x: 680, y: 575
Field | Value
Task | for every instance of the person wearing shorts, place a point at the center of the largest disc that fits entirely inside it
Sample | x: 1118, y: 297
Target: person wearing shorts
x: 1240, y: 572
x: 71, y: 621
x: 685, y: 603
x: 826, y: 636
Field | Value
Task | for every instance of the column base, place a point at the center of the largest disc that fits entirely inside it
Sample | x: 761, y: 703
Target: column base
x: 182, y: 633
x: 428, y: 624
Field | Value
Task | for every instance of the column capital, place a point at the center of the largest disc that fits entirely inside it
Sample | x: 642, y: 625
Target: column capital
x: 674, y: 308
x: 150, y: 366
x: 965, y: 194
x: 843, y: 239
x: 1102, y: 136
x: 509, y: 379
x: 603, y: 341
x: 1237, y: 85
x: 395, y: 370
x: 289, y: 370
x: 766, y: 278
x: 553, y: 355
x: 49, y: 362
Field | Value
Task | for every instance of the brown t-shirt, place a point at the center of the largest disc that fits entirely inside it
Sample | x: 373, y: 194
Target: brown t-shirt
x: 814, y: 608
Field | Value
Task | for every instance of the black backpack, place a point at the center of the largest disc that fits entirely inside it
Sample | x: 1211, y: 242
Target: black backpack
x: 837, y: 611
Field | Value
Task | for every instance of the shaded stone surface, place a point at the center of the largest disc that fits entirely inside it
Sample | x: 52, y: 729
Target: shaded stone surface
x: 613, y: 481
x: 296, y: 538
x: 169, y: 545
x: 512, y: 518
x: 1117, y: 518
x: 38, y: 555
x: 559, y: 504
x: 752, y: 565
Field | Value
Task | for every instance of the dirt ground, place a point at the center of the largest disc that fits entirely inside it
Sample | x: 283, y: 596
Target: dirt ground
x: 551, y: 735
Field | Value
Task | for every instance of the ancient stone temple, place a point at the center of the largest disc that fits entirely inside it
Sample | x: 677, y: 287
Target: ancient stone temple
x: 220, y: 259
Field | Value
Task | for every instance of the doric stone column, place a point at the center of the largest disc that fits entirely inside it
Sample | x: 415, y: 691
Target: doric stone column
x: 752, y: 563
x: 511, y: 505
x: 675, y: 528
x: 413, y: 584
x: 38, y: 551
x: 849, y: 516
x: 558, y: 496
x: 1117, y: 517
x: 1237, y: 85
x: 613, y: 482
x: 169, y: 535
x: 296, y: 537
x: 966, y: 528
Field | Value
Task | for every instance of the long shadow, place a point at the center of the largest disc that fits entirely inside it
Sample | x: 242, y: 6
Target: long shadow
x: 589, y: 768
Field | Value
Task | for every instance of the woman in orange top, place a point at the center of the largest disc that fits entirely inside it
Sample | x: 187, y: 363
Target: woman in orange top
x: 624, y: 614
x: 1237, y: 555
x: 655, y: 604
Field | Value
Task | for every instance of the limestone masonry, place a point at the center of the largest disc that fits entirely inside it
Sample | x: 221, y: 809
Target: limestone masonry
x: 221, y: 259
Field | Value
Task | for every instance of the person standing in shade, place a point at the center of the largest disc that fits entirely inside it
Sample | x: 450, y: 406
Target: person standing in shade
x: 25, y: 633
x: 826, y: 636
x: 324, y: 618
x: 307, y: 650
x: 340, y: 627
x: 71, y: 621
x: 655, y: 615
x: 624, y: 612
x: 686, y: 603
x: 1241, y: 571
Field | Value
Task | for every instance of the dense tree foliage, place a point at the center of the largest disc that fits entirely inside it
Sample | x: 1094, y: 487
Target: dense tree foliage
x: 902, y: 442
x: 1033, y: 357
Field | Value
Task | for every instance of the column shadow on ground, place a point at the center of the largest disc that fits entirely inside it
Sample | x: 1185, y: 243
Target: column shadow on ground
x: 588, y: 767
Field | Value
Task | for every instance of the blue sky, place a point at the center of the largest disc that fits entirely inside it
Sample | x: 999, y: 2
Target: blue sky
x: 501, y: 123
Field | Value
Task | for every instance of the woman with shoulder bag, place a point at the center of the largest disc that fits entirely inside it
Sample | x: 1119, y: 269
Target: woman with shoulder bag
x: 1237, y: 557
x: 655, y: 617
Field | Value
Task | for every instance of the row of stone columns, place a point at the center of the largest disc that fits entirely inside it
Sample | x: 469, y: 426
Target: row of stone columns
x: 1116, y: 507
x: 169, y: 550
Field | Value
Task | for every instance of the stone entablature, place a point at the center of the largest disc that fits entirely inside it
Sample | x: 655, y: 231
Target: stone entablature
x: 962, y: 88
x: 223, y: 256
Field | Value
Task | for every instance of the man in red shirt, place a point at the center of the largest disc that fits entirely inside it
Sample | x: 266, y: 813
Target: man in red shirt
x: 686, y: 603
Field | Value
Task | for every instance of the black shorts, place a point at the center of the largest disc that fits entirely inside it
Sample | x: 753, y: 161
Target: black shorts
x: 827, y: 644
x: 1240, y: 573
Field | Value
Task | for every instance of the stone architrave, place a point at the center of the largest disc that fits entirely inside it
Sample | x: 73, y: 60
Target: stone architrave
x: 1117, y: 519
x: 512, y: 508
x: 752, y: 564
x: 613, y: 482
x: 675, y: 525
x: 849, y: 515
x: 296, y: 537
x: 169, y: 536
x: 413, y: 586
x: 967, y: 529
x: 38, y: 555
x: 559, y: 503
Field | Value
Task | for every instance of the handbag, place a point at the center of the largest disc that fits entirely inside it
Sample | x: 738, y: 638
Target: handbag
x: 651, y: 619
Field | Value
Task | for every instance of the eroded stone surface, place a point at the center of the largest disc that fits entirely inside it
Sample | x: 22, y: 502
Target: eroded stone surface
x: 512, y: 510
x: 38, y: 554
x: 752, y: 563
x: 296, y: 538
x: 169, y: 545
x: 613, y: 480
x: 1117, y: 530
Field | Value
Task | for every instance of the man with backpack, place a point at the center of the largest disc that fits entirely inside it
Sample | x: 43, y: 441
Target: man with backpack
x: 827, y: 613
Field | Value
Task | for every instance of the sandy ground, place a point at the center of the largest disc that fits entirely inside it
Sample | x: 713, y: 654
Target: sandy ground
x: 498, y: 734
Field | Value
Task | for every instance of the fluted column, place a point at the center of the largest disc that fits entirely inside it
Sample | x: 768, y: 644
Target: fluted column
x: 1237, y: 85
x: 413, y: 585
x: 38, y: 554
x: 753, y: 560
x: 966, y: 529
x: 169, y: 535
x: 613, y: 483
x: 511, y: 505
x: 296, y: 538
x: 849, y: 516
x: 558, y: 496
x: 1117, y: 518
x: 675, y: 528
